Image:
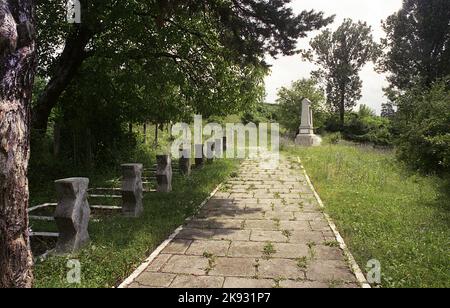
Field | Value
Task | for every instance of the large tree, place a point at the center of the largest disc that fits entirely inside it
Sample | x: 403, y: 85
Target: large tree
x: 340, y: 56
x: 17, y: 68
x: 417, y: 59
x: 417, y: 44
x: 239, y: 31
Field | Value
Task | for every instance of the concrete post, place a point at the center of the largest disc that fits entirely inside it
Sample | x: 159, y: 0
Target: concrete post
x: 132, y: 190
x: 164, y: 173
x: 72, y: 215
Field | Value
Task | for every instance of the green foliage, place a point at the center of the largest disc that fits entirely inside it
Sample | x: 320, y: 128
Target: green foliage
x: 366, y: 112
x: 418, y: 58
x: 418, y: 44
x: 333, y: 138
x: 368, y: 128
x: 290, y: 104
x: 363, y: 126
x: 170, y: 56
x: 384, y: 212
x: 340, y: 56
x: 261, y: 113
x: 423, y: 122
x: 387, y: 110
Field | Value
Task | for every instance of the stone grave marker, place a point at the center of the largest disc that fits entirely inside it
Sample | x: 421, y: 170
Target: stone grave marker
x: 132, y: 190
x: 72, y: 215
x: 164, y: 173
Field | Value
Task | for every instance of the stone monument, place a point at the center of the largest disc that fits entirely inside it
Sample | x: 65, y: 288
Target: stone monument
x: 164, y: 173
x: 132, y: 191
x: 72, y: 215
x: 306, y: 136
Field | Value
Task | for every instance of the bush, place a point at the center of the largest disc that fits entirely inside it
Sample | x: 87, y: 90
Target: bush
x: 368, y: 129
x: 363, y: 127
x: 423, y: 120
x: 262, y: 113
x: 333, y: 138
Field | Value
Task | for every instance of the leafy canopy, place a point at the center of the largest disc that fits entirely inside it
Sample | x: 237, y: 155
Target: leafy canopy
x: 417, y: 44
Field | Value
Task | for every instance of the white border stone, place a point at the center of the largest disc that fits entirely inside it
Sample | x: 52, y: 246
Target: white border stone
x: 161, y: 247
x: 351, y: 260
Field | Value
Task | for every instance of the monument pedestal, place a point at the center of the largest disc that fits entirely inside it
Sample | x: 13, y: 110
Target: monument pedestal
x: 308, y: 140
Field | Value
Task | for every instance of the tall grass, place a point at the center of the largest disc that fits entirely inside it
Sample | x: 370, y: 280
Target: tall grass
x: 385, y: 212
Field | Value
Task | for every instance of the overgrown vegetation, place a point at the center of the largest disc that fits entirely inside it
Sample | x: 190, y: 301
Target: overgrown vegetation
x: 384, y: 211
x: 417, y: 59
x: 422, y: 124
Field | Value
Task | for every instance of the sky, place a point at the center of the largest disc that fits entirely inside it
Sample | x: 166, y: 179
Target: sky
x: 287, y: 69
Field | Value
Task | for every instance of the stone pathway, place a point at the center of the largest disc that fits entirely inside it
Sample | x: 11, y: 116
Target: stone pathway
x: 263, y: 229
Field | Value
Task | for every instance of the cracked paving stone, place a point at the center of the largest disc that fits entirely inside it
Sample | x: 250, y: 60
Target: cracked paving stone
x: 197, y: 282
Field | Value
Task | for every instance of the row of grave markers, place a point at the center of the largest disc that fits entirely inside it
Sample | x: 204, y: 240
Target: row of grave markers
x: 72, y: 212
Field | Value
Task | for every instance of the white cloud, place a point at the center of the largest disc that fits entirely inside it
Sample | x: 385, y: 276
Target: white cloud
x: 288, y: 69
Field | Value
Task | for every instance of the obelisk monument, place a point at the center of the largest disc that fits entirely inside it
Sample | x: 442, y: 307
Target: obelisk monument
x: 306, y: 136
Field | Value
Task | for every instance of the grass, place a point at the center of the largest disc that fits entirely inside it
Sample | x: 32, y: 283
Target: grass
x: 119, y: 244
x: 287, y: 234
x: 384, y: 212
x: 302, y: 262
x: 268, y: 250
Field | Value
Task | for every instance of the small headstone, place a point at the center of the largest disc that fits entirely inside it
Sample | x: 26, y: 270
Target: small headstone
x: 199, y: 156
x: 185, y: 162
x: 164, y: 173
x: 72, y: 215
x: 210, y: 153
x: 132, y: 190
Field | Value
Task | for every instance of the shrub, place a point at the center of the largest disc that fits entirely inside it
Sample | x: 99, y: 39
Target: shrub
x: 333, y: 138
x: 363, y: 127
x: 423, y: 120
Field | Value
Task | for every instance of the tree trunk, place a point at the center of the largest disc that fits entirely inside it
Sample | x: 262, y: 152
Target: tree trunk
x: 17, y: 69
x: 342, y: 114
x: 70, y: 61
x: 342, y: 108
